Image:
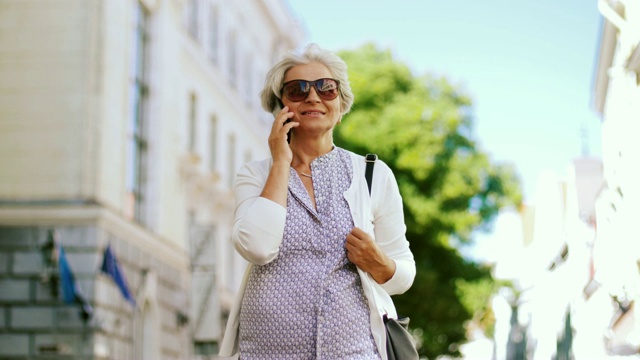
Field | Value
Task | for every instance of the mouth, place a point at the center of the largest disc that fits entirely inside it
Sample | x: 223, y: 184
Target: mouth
x: 312, y: 112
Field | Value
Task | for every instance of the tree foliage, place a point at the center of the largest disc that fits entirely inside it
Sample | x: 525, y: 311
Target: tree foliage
x: 421, y: 126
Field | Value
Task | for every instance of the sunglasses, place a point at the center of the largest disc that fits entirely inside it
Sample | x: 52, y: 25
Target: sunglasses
x: 298, y: 90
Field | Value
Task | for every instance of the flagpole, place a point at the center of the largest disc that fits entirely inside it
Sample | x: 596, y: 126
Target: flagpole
x: 137, y: 315
x: 137, y: 354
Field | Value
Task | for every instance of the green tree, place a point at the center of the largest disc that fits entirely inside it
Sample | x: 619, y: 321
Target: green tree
x: 421, y: 126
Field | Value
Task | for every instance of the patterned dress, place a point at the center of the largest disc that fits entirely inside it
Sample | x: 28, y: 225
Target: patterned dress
x: 308, y: 303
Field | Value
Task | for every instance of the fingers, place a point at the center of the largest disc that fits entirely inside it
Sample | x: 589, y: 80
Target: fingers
x: 357, y: 253
x: 363, y: 251
x: 281, y: 126
x: 359, y: 244
x: 353, y: 253
x: 356, y: 231
x: 358, y: 237
x: 282, y: 119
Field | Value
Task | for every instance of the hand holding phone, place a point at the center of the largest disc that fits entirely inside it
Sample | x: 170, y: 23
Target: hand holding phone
x: 280, y: 137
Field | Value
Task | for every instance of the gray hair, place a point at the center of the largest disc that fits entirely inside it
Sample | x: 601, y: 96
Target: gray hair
x: 312, y: 53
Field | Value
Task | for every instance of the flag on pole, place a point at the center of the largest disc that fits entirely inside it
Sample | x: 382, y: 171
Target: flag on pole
x: 111, y: 267
x: 71, y: 292
x: 67, y: 279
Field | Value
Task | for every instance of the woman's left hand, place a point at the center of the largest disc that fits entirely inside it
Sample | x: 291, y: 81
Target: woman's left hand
x: 363, y: 251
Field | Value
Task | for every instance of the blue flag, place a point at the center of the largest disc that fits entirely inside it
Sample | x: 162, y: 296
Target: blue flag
x: 71, y: 292
x: 67, y: 280
x: 111, y: 267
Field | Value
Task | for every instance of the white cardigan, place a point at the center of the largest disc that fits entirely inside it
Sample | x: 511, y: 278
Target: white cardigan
x: 259, y: 227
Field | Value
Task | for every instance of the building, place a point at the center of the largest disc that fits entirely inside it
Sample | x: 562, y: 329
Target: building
x: 616, y: 97
x: 579, y: 275
x: 122, y: 124
x: 548, y: 262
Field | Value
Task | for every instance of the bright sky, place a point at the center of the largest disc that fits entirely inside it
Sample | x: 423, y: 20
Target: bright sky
x: 528, y: 65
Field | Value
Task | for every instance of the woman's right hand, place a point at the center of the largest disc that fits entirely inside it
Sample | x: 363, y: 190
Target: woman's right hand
x: 275, y: 188
x: 280, y: 150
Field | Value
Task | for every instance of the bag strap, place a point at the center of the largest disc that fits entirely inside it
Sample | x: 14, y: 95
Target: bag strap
x: 370, y: 159
x: 368, y: 173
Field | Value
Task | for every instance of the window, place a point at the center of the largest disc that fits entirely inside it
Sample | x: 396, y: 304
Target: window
x: 205, y: 307
x: 192, y: 18
x: 233, y: 59
x: 274, y: 53
x: 213, y: 144
x: 193, y: 122
x: 248, y: 81
x: 137, y: 147
x: 213, y: 34
x: 202, y: 248
x: 247, y: 155
x: 231, y: 160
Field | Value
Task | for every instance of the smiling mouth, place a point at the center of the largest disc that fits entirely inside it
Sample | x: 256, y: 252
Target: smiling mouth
x: 312, y: 113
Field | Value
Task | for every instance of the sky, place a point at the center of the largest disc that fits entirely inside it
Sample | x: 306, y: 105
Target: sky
x: 528, y: 65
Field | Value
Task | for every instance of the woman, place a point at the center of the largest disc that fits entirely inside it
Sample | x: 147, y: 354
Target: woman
x: 324, y: 254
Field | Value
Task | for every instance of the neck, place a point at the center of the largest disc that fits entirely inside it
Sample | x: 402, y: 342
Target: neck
x: 304, y: 152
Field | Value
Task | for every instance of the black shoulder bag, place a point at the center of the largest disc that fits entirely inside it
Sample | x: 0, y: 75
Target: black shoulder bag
x: 400, y: 345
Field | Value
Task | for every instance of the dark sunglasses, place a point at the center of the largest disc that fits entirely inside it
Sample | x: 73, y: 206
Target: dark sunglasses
x: 298, y: 90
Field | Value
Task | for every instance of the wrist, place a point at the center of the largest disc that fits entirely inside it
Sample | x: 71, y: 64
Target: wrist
x: 385, y: 272
x: 280, y: 166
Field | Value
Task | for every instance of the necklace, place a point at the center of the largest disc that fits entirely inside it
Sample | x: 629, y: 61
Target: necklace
x: 303, y: 174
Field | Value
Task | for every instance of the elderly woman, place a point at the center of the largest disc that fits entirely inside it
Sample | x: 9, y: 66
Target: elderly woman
x: 325, y: 254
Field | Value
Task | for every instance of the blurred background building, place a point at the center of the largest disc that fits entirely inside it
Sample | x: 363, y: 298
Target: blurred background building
x: 122, y: 124
x: 576, y: 259
x: 617, y: 99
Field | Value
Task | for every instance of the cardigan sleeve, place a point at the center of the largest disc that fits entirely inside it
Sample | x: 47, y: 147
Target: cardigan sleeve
x: 258, y: 226
x: 390, y: 229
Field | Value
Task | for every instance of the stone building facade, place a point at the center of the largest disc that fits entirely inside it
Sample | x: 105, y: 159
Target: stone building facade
x: 122, y: 123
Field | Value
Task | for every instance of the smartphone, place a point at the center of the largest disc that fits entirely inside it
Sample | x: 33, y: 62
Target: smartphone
x: 278, y: 108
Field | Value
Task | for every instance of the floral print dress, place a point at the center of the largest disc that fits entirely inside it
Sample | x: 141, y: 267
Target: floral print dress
x: 308, y: 303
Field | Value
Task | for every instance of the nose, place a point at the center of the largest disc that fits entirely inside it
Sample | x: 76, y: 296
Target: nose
x: 313, y: 95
